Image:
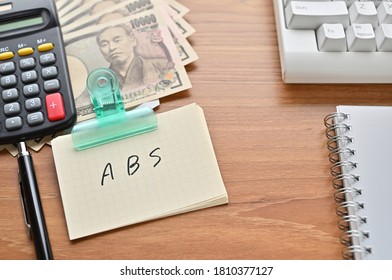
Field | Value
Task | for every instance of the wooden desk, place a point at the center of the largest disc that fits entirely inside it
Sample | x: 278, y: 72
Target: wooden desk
x: 270, y: 145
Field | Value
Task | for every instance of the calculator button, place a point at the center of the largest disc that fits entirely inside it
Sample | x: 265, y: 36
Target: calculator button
x: 25, y: 51
x: 29, y: 76
x: 13, y: 123
x: 47, y: 59
x: 27, y: 63
x: 6, y: 55
x: 31, y: 90
x: 49, y: 72
x: 45, y: 47
x: 7, y: 68
x: 11, y: 109
x: 8, y: 81
x: 35, y: 118
x: 55, y: 106
x: 10, y: 95
x: 33, y: 104
x: 52, y: 85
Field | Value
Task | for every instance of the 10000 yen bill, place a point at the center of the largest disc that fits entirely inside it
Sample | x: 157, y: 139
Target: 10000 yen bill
x: 88, y: 16
x: 92, y: 12
x: 138, y: 48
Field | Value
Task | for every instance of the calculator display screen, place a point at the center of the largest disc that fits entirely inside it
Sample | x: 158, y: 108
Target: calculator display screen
x: 21, y: 23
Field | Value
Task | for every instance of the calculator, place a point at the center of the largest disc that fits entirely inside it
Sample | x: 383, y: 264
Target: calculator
x: 36, y: 95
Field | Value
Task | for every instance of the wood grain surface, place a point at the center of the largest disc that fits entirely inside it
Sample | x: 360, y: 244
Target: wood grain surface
x: 270, y: 145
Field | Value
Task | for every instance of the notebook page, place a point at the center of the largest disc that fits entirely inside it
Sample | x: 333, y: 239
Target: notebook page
x: 371, y: 133
x: 161, y: 173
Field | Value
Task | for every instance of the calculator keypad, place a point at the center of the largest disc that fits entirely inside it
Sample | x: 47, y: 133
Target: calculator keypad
x: 36, y: 98
x: 29, y: 82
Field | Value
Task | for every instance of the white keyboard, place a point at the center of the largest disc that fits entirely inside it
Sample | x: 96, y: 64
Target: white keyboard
x: 332, y: 41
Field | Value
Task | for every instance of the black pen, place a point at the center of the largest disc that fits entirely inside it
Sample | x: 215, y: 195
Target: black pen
x: 31, y: 203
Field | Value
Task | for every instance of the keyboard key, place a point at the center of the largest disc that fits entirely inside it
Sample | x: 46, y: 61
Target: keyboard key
x: 11, y: 109
x: 47, y: 59
x: 384, y: 38
x: 361, y: 38
x: 33, y: 104
x: 363, y: 12
x: 27, y: 63
x: 286, y: 2
x: 29, y: 77
x: 348, y: 2
x: 25, y: 51
x: 6, y: 55
x: 377, y: 3
x: 49, y: 72
x: 31, y: 90
x: 7, y: 68
x: 331, y: 38
x: 8, y: 81
x: 311, y: 15
x: 13, y: 123
x: 384, y: 12
x: 45, y: 47
x: 35, y: 118
x: 55, y: 107
x: 10, y: 95
x: 52, y: 85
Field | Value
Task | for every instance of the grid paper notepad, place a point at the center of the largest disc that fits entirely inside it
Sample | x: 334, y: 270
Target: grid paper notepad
x: 165, y: 172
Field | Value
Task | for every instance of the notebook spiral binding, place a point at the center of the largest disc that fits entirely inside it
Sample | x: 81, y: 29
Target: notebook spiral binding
x: 347, y: 195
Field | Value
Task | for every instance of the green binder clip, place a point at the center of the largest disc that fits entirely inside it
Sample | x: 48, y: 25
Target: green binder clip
x: 113, y: 122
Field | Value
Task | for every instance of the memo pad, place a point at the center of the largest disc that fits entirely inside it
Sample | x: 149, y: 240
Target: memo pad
x: 165, y: 172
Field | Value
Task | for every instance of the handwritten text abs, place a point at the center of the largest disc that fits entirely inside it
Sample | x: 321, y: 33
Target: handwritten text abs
x: 133, y: 165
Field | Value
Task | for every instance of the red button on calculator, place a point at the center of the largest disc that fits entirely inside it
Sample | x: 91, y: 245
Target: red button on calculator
x: 55, y: 107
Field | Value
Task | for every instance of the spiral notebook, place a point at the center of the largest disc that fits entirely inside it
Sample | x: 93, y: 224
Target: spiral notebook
x: 360, y: 145
x: 165, y: 172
